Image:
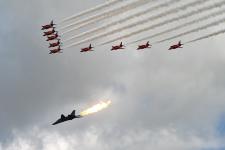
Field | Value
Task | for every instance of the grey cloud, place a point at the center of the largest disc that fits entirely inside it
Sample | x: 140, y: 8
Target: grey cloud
x: 92, y: 139
x: 150, y: 90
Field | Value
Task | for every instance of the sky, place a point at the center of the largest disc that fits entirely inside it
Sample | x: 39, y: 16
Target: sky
x: 160, y: 99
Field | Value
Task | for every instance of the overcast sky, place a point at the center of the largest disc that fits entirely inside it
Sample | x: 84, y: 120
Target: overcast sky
x: 160, y: 99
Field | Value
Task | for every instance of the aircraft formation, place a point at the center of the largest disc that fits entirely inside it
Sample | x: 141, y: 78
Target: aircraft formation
x: 52, y: 37
x: 145, y: 16
x: 145, y: 20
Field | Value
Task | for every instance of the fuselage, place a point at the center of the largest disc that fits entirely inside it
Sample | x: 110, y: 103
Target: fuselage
x: 52, y: 37
x: 86, y: 49
x: 45, y: 27
x: 49, y: 32
x: 58, y: 50
x: 54, y: 44
x: 143, y: 46
x: 69, y: 117
x: 175, y: 47
x: 117, y: 47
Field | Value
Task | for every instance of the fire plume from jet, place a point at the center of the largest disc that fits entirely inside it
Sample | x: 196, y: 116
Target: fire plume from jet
x: 96, y: 108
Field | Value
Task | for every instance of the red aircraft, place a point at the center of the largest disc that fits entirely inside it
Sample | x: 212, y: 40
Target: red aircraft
x: 49, y: 32
x: 86, y: 49
x: 48, y: 26
x: 54, y: 44
x: 117, y: 47
x: 57, y: 50
x: 176, y: 46
x: 147, y: 45
x: 53, y: 37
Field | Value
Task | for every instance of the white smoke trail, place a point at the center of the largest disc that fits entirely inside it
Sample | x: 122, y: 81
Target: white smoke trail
x: 106, y: 26
x: 207, y: 36
x: 108, y: 13
x: 96, y: 8
x: 195, y: 30
x: 138, y: 14
x: 169, y: 20
x: 166, y: 21
x: 214, y: 14
x: 164, y: 14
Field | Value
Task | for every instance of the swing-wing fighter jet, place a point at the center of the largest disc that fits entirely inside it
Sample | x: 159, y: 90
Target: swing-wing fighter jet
x: 67, y: 118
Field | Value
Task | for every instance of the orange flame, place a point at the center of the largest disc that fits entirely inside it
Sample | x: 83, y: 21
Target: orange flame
x: 96, y: 108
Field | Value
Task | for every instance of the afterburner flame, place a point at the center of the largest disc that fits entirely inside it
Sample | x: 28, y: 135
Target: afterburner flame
x: 96, y: 108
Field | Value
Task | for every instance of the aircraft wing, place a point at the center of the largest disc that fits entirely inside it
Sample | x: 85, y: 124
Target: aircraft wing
x: 58, y: 121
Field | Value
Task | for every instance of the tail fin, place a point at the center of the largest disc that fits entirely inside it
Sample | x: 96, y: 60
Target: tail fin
x: 179, y: 43
x: 60, y: 48
x: 121, y: 44
x: 62, y: 116
x: 52, y: 23
x: 73, y: 113
x: 90, y: 46
x: 147, y: 43
x: 56, y: 33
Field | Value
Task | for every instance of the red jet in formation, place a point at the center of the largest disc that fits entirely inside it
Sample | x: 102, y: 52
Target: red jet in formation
x: 147, y: 45
x: 53, y: 37
x: 57, y: 50
x: 176, y: 46
x: 117, y: 47
x: 54, y: 44
x: 87, y: 49
x: 52, y: 34
x: 49, y: 32
x: 48, y: 26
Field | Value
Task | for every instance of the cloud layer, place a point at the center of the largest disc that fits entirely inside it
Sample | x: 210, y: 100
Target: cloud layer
x: 160, y: 99
x: 95, y: 139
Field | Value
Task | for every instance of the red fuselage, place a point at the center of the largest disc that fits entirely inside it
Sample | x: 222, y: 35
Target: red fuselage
x: 54, y: 44
x: 178, y: 45
x: 54, y: 51
x: 49, y: 32
x: 117, y: 47
x: 48, y: 26
x: 144, y: 46
x: 86, y: 49
x: 175, y: 46
x: 52, y: 37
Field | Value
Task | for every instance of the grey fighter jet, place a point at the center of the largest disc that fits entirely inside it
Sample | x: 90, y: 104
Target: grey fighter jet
x: 67, y: 118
